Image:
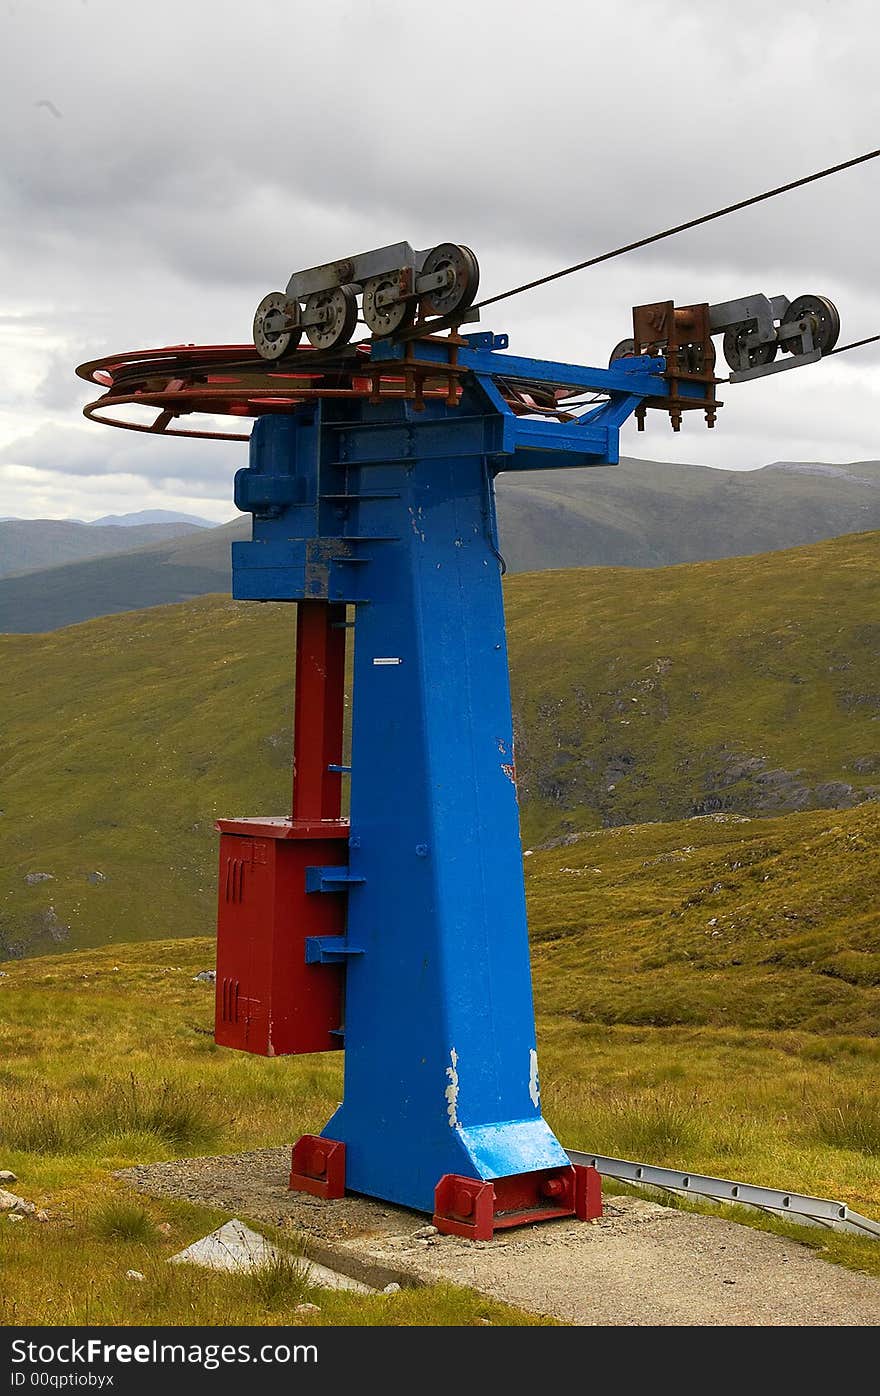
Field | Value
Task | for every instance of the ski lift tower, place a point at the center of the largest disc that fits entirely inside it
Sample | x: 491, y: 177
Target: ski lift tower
x: 399, y: 932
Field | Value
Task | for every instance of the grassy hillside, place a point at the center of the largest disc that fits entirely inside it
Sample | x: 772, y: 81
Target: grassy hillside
x: 720, y: 920
x: 124, y: 739
x: 747, y: 685
x: 637, y: 514
x: 27, y: 545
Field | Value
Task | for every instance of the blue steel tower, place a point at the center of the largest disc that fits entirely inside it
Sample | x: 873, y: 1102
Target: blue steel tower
x: 388, y: 507
x: 399, y: 933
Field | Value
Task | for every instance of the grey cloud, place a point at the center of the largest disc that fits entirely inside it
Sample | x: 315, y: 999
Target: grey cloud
x: 203, y: 144
x: 63, y: 450
x: 205, y: 153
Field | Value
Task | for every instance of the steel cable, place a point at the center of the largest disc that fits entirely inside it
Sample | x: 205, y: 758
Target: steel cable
x: 679, y: 228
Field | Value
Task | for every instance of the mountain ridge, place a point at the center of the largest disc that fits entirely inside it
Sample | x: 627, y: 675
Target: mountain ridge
x: 642, y: 514
x: 149, y: 516
x: 30, y: 546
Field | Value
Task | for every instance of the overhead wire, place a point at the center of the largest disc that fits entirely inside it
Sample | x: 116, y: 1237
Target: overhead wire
x: 679, y: 228
x: 855, y: 344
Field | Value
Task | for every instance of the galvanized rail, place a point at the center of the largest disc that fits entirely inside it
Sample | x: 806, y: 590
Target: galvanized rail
x: 795, y: 1206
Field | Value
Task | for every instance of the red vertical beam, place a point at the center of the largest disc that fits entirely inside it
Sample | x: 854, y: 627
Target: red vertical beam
x: 319, y: 710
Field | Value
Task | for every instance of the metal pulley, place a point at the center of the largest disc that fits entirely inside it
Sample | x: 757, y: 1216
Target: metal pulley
x: 756, y: 327
x: 387, y: 306
x: 741, y: 350
x: 623, y: 350
x: 277, y: 327
x: 397, y: 286
x: 460, y: 273
x: 330, y: 317
x: 815, y: 314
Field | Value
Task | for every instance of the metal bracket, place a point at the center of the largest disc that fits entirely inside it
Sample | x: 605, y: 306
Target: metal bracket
x: 383, y: 261
x: 476, y: 1207
x: 485, y: 339
x: 328, y: 879
x: 317, y: 1166
x: 744, y: 375
x: 764, y: 310
x: 330, y: 950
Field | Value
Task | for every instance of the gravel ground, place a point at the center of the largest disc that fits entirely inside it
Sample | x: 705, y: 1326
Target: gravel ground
x: 642, y: 1264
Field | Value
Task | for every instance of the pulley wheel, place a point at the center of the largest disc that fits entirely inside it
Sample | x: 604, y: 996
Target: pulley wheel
x: 462, y: 288
x: 340, y: 303
x: 275, y: 310
x: 739, y: 356
x: 394, y: 315
x: 624, y: 350
x: 823, y: 318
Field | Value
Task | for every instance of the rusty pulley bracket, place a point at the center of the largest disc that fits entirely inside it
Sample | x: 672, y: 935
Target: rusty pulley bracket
x: 681, y: 335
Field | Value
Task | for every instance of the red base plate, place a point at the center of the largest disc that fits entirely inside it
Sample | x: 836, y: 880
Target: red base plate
x: 318, y: 1166
x: 476, y: 1209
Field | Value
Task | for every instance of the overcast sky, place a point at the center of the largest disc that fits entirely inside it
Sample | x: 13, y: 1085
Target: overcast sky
x: 164, y: 165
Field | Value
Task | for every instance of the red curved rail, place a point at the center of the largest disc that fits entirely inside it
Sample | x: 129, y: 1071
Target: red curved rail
x: 232, y: 380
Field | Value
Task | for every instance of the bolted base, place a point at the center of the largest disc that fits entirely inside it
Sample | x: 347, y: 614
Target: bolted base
x: 318, y: 1166
x: 476, y: 1209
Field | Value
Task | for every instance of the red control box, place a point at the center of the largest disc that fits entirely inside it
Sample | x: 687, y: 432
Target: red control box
x: 269, y: 1000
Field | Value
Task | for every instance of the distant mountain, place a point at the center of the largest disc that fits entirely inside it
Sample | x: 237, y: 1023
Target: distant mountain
x: 176, y: 569
x: 636, y: 514
x: 150, y: 516
x: 29, y: 545
x: 652, y: 513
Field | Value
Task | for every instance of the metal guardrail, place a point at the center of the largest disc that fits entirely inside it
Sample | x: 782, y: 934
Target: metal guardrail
x: 796, y: 1206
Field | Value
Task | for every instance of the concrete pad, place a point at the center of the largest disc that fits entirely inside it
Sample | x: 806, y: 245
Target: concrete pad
x: 640, y: 1265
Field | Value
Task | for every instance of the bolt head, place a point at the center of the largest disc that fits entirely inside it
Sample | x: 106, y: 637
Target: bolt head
x: 463, y: 1202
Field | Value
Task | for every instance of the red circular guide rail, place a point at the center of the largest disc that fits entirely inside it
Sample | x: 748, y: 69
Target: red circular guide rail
x: 224, y: 380
x: 232, y: 380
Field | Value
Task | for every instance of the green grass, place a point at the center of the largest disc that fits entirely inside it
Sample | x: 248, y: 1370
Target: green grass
x: 106, y: 1059
x: 742, y: 685
x: 725, y: 1100
x: 171, y: 1114
x: 72, y: 1270
x: 851, y: 1123
x: 762, y: 923
x: 121, y: 1219
x: 745, y: 685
